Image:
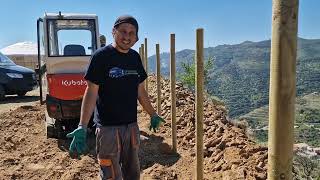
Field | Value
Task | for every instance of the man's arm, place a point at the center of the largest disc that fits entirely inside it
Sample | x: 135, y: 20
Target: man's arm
x: 88, y: 103
x: 144, y: 100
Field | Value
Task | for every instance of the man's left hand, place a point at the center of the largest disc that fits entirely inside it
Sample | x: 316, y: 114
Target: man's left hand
x: 155, y: 122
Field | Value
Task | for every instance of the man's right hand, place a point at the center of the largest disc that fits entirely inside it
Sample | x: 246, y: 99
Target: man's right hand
x: 78, y: 144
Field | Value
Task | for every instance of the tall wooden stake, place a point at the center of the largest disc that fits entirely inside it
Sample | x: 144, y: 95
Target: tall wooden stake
x: 158, y: 80
x: 199, y: 104
x: 173, y: 91
x: 282, y: 88
x: 142, y: 56
x: 146, y: 60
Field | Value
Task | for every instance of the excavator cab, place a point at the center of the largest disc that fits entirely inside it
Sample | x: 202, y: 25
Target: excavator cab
x: 65, y: 44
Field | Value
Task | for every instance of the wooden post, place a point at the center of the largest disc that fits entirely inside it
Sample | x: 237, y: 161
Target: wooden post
x: 146, y: 60
x: 282, y: 88
x: 158, y: 80
x: 140, y: 52
x: 173, y: 92
x: 199, y: 103
x: 142, y: 56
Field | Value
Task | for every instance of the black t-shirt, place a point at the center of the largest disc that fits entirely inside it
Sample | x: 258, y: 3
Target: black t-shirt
x: 118, y: 76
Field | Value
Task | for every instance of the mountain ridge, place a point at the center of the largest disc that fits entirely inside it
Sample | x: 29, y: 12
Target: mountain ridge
x: 240, y: 76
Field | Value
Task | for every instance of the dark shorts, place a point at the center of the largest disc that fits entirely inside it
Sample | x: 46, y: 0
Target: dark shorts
x: 117, y: 150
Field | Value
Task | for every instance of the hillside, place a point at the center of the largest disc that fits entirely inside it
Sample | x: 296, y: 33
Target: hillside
x: 307, y: 122
x: 240, y: 76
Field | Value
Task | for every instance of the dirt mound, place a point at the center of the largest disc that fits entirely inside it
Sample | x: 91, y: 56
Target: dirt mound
x: 26, y: 153
x: 228, y: 152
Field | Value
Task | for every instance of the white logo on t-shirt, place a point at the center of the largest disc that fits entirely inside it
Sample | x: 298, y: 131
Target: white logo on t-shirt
x: 116, y: 72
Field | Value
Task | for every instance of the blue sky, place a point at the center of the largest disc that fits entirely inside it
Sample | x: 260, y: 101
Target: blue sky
x: 224, y: 21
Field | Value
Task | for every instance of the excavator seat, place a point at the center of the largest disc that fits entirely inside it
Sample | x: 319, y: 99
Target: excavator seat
x: 74, y: 50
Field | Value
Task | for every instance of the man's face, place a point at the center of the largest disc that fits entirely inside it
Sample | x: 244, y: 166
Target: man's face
x: 125, y: 36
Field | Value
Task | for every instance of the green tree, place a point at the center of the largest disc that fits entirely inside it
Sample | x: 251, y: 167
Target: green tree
x: 187, y: 76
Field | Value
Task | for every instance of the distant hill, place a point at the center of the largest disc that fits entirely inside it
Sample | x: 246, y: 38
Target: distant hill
x: 240, y: 76
x: 307, y: 120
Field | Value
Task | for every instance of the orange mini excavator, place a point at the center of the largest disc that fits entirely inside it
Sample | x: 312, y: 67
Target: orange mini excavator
x: 65, y: 44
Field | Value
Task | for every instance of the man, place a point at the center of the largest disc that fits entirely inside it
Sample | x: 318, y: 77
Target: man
x: 115, y: 81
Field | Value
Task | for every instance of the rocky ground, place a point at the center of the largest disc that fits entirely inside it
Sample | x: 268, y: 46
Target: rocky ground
x: 26, y: 153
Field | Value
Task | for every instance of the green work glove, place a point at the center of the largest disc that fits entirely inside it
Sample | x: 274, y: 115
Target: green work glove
x: 78, y: 144
x: 155, y: 122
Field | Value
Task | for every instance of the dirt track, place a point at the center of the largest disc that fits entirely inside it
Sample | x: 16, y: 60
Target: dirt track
x: 13, y: 101
x: 26, y: 153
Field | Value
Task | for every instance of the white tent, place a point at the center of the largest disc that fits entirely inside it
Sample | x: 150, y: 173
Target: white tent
x: 23, y: 53
x: 21, y: 48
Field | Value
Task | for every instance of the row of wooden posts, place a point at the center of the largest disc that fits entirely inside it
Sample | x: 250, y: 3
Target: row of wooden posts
x: 281, y: 96
x: 198, y: 89
x: 144, y: 56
